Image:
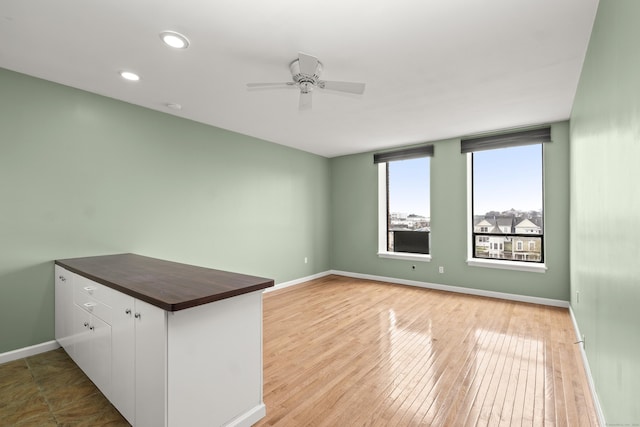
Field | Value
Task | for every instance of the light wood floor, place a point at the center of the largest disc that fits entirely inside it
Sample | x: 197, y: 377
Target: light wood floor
x: 347, y: 352
x: 342, y: 352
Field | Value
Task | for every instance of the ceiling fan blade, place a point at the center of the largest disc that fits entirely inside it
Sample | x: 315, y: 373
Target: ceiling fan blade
x: 264, y: 85
x: 308, y: 63
x: 351, y: 87
x: 305, y: 101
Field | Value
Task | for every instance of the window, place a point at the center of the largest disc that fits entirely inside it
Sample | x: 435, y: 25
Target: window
x: 506, y: 196
x: 404, y: 203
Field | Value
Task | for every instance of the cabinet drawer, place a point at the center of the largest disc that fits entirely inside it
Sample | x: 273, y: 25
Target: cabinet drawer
x: 85, y: 287
x: 95, y: 307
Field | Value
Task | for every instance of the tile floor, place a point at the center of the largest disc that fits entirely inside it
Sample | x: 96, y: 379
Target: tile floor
x: 49, y: 389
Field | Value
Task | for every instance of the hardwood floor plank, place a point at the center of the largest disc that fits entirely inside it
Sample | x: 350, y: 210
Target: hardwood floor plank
x: 452, y: 410
x: 517, y: 413
x: 347, y: 352
x: 500, y: 411
x: 511, y: 382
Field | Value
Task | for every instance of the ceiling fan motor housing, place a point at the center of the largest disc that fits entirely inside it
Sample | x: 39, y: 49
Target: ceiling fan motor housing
x: 305, y: 75
x: 305, y: 81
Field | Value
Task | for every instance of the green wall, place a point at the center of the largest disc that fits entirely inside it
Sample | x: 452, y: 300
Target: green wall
x: 84, y: 175
x: 354, y: 239
x: 605, y: 209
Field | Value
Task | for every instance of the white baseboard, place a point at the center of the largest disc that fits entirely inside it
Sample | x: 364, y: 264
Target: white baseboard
x: 587, y: 369
x: 250, y: 417
x: 448, y: 288
x: 297, y: 281
x: 21, y: 353
x: 457, y: 289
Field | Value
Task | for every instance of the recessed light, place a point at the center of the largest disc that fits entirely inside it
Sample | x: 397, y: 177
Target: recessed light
x: 175, y: 40
x: 128, y: 75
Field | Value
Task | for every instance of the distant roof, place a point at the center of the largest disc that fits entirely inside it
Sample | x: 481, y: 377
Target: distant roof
x: 525, y: 223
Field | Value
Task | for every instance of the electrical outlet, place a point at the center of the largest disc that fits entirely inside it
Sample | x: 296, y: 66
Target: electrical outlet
x: 441, y: 270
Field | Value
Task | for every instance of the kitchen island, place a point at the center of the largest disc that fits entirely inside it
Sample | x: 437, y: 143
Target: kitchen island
x: 168, y: 344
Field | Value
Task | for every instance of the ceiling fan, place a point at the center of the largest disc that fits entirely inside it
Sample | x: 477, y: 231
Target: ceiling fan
x: 305, y: 73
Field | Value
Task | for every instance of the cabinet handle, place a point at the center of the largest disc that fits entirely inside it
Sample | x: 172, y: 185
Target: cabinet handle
x: 62, y: 278
x: 91, y: 327
x: 137, y: 315
x: 127, y: 311
x: 86, y: 324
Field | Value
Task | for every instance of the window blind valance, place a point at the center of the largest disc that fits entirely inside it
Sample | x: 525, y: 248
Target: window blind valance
x: 404, y: 154
x: 506, y: 140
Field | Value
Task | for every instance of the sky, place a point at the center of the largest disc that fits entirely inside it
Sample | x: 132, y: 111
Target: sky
x: 503, y: 179
x: 507, y: 178
x: 409, y: 186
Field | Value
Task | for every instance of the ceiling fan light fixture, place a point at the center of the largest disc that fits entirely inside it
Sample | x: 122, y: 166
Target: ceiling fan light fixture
x: 174, y: 39
x: 128, y: 75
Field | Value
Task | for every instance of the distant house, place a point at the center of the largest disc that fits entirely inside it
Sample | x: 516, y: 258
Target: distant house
x: 482, y: 242
x: 492, y: 246
x: 502, y: 240
x: 525, y: 226
x: 505, y: 224
x: 526, y: 248
x: 496, y: 243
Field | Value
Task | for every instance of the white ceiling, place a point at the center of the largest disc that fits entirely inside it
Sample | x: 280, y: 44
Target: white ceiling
x: 433, y: 68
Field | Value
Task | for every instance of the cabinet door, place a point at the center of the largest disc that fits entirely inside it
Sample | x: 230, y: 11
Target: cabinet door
x: 151, y: 365
x: 64, y: 308
x: 100, y: 354
x: 92, y: 348
x: 81, y: 340
x: 123, y: 356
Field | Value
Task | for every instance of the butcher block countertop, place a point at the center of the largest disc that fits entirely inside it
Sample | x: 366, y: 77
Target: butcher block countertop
x: 171, y: 286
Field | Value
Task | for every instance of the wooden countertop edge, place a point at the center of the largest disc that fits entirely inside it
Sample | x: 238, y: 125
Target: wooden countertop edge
x: 162, y: 304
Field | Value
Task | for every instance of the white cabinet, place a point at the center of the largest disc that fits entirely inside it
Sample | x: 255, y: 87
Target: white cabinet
x: 151, y: 365
x: 123, y: 356
x: 139, y: 361
x: 64, y: 308
x: 92, y: 348
x: 118, y: 341
x: 193, y: 365
x: 83, y: 325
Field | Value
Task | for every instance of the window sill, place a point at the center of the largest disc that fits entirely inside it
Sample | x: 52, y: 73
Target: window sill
x: 507, y: 265
x: 405, y: 256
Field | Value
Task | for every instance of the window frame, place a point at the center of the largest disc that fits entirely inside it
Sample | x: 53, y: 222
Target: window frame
x: 536, y: 267
x: 383, y: 219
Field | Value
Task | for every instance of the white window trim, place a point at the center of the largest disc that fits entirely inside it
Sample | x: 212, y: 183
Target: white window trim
x: 382, y: 223
x: 507, y: 265
x: 492, y: 263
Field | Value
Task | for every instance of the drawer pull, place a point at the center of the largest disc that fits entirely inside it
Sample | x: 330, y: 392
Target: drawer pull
x: 62, y: 278
x: 89, y: 289
x: 137, y: 315
x: 127, y: 311
x: 89, y: 305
